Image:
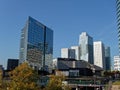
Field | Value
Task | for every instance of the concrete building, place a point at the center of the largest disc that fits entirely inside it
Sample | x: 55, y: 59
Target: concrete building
x: 117, y: 63
x: 36, y: 45
x: 86, y: 47
x: 67, y: 53
x: 80, y: 74
x: 77, y: 52
x: 71, y: 67
x: 68, y: 63
x: 99, y: 54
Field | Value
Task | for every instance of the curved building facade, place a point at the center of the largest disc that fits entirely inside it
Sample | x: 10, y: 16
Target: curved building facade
x: 118, y: 21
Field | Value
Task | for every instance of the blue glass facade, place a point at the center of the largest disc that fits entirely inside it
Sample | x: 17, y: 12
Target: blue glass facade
x: 107, y: 58
x: 36, y: 44
x: 118, y: 21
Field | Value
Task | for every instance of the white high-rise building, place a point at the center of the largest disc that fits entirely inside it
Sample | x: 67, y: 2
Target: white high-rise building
x: 117, y: 63
x: 67, y: 53
x: 99, y: 54
x: 77, y: 52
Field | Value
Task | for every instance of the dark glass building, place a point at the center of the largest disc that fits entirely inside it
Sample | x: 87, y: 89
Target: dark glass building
x: 12, y: 64
x: 36, y: 45
x: 107, y: 58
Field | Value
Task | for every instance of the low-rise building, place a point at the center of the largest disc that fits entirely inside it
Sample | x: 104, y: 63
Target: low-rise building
x: 117, y: 63
x: 2, y: 70
x: 76, y: 68
x: 12, y: 64
x: 80, y: 74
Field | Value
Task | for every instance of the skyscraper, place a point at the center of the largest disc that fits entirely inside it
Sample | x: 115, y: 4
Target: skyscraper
x: 118, y: 21
x: 99, y: 54
x: 36, y: 46
x: 107, y: 58
x: 67, y: 53
x: 86, y: 47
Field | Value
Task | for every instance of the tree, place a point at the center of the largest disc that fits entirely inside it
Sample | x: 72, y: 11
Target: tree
x: 23, y: 77
x: 56, y: 83
x: 1, y: 80
x: 3, y: 83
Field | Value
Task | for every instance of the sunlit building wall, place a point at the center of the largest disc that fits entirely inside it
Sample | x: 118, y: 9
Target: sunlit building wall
x: 99, y: 54
x: 86, y: 47
x: 77, y: 52
x: 67, y: 53
x: 117, y: 63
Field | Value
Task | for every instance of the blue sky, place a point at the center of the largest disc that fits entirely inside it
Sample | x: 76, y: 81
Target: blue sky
x: 68, y: 18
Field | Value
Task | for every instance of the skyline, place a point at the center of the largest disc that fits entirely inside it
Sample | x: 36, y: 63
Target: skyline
x: 68, y: 19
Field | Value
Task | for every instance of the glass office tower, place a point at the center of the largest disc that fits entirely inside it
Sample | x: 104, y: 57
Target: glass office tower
x: 107, y: 58
x: 86, y: 47
x: 118, y: 20
x: 36, y: 46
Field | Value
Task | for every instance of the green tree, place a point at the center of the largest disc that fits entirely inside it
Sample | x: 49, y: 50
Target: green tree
x: 23, y: 77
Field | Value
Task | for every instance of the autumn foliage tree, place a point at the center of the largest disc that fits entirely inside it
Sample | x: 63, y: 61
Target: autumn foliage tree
x: 1, y: 80
x: 3, y: 83
x: 56, y: 83
x: 23, y: 78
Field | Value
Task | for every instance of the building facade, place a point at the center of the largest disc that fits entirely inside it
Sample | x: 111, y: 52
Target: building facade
x: 107, y: 58
x: 118, y: 21
x: 86, y: 47
x: 67, y: 53
x: 117, y: 63
x: 99, y: 54
x: 54, y: 63
x: 36, y: 46
x: 1, y: 67
x: 73, y: 67
x: 12, y: 64
x: 79, y: 74
x: 77, y: 52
